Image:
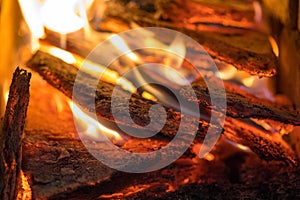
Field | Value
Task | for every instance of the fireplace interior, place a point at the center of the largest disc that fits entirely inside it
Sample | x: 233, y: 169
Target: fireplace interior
x: 47, y: 138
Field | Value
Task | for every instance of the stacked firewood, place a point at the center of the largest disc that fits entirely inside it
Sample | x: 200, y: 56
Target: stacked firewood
x: 58, y: 166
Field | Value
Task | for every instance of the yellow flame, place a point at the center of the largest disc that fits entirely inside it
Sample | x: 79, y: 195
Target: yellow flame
x: 149, y: 96
x: 24, y: 192
x: 6, y: 94
x: 118, y: 42
x: 30, y: 10
x: 227, y: 73
x: 209, y: 157
x: 274, y: 46
x: 248, y: 81
x: 92, y: 127
x: 62, y: 54
x: 178, y: 50
x: 242, y: 147
x: 61, y: 16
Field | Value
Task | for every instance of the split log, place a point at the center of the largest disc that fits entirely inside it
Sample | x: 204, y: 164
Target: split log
x: 249, y: 51
x: 62, y: 75
x: 12, y: 134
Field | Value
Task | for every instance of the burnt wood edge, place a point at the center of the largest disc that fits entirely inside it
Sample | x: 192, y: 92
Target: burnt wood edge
x: 12, y: 134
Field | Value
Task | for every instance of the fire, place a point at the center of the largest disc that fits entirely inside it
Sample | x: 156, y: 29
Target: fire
x: 118, y: 42
x: 229, y: 72
x: 91, y: 127
x: 60, y: 16
x: 24, y: 192
x: 62, y: 54
x: 6, y: 94
x: 274, y: 45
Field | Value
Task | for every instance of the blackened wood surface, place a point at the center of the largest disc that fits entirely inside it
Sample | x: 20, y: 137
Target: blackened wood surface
x: 12, y: 134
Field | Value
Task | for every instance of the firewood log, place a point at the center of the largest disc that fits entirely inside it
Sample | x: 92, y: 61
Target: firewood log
x: 12, y: 134
x: 247, y: 50
x: 62, y: 75
x: 59, y: 167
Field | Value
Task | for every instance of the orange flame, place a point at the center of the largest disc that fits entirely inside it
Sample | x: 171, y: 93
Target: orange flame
x: 274, y: 46
x: 24, y: 192
x: 91, y: 127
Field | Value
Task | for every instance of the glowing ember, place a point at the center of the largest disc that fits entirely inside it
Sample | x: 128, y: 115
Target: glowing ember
x: 91, y: 127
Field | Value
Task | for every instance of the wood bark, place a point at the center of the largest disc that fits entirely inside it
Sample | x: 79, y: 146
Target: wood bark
x: 12, y: 134
x: 58, y: 166
x: 247, y: 50
x: 62, y: 75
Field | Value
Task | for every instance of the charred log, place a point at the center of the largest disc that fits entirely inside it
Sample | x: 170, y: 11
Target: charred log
x: 247, y: 50
x: 12, y: 134
x: 62, y: 75
x: 242, y: 104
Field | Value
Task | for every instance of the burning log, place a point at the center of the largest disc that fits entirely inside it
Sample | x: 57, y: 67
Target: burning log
x: 12, y: 134
x: 246, y: 50
x: 242, y: 104
x: 191, y: 14
x: 62, y: 75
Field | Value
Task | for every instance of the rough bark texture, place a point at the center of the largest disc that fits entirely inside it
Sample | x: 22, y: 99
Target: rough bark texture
x: 59, y: 167
x: 241, y: 104
x: 12, y: 134
x: 246, y: 50
x: 62, y: 75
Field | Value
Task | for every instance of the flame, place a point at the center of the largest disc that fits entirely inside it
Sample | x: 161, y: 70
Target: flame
x: 61, y: 16
x: 118, y: 42
x: 227, y: 73
x: 6, y: 94
x: 209, y: 157
x: 91, y: 127
x: 242, y: 147
x: 62, y: 54
x: 24, y: 192
x: 176, y: 47
x: 274, y: 46
x: 248, y: 81
x: 30, y: 10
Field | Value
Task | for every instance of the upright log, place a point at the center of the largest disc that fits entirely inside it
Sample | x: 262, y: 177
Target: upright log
x: 12, y: 133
